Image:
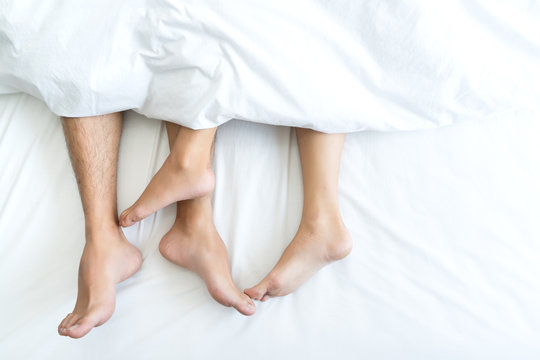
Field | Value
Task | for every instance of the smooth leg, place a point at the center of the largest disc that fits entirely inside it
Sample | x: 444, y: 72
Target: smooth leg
x: 194, y: 243
x: 185, y: 174
x: 322, y: 236
x: 108, y: 258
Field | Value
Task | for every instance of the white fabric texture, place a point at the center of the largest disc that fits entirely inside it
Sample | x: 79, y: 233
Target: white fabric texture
x: 335, y: 66
x: 446, y: 255
x: 445, y: 264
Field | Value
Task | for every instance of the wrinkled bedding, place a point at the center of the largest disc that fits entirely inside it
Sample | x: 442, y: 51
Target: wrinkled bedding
x: 446, y: 256
x: 445, y: 264
x: 335, y: 66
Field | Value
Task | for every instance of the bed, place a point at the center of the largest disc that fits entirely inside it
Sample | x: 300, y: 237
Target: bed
x: 438, y: 184
x: 445, y: 262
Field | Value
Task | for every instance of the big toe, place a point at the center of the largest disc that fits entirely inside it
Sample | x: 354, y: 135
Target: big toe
x: 244, y: 305
x: 257, y: 292
x: 67, y: 322
x: 131, y: 215
x: 81, y: 327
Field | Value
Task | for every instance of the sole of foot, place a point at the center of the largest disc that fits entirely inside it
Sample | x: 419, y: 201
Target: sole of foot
x: 315, y: 245
x: 108, y: 258
x: 172, y: 183
x: 202, y: 251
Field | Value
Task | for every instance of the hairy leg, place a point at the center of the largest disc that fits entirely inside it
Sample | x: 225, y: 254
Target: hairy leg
x: 194, y: 243
x: 108, y: 258
x: 185, y: 174
x: 322, y: 237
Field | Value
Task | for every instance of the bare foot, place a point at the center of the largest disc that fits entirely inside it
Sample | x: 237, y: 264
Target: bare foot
x: 199, y: 248
x: 316, y: 244
x: 175, y: 181
x: 108, y: 258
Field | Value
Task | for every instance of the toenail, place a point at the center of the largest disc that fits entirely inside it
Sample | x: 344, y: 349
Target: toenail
x: 74, y: 327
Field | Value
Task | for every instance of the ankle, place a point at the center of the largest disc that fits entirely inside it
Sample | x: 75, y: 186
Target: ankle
x: 194, y: 221
x: 189, y: 160
x: 102, y: 230
x: 321, y: 218
x: 331, y: 227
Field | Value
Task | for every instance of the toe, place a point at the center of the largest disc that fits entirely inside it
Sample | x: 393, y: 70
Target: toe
x: 256, y: 292
x: 127, y: 217
x: 81, y: 327
x: 133, y: 215
x: 68, y: 322
x: 63, y: 323
x: 71, y: 320
x: 122, y: 219
x: 271, y: 286
x: 245, y: 305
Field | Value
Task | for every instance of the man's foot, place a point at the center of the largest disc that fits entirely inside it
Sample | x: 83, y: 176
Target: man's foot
x: 175, y: 181
x: 108, y: 258
x: 316, y: 244
x: 198, y: 247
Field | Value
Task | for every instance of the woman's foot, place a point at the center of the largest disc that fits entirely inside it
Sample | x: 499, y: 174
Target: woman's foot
x: 108, y: 258
x: 316, y: 244
x: 197, y: 246
x: 178, y: 179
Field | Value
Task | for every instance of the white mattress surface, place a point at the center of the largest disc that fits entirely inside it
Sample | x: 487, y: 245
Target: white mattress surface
x: 335, y: 66
x: 445, y: 264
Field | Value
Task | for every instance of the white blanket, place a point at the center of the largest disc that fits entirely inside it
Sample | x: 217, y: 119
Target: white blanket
x: 340, y: 65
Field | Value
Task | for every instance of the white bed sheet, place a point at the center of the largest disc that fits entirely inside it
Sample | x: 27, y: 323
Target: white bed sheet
x: 445, y: 263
